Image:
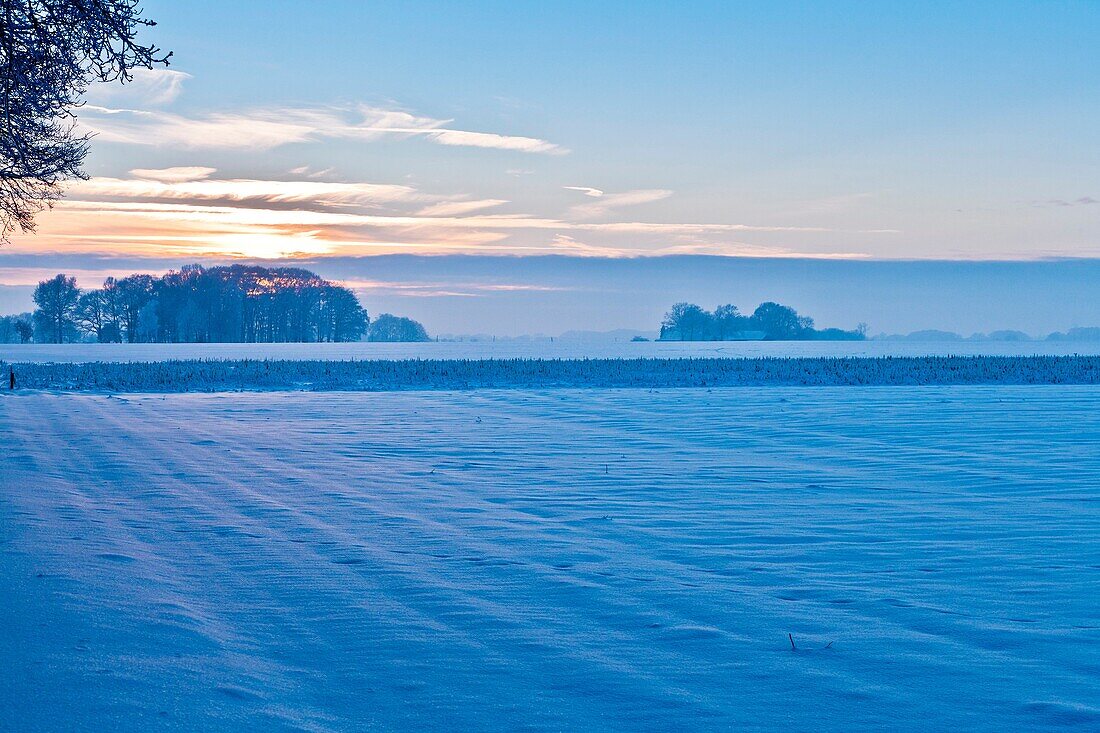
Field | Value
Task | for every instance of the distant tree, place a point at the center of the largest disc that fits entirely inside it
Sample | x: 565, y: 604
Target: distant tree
x: 95, y: 315
x: 57, y: 300
x: 394, y: 328
x: 133, y: 293
x: 147, y: 326
x: 8, y: 332
x: 836, y: 334
x: 781, y: 322
x: 25, y: 328
x: 689, y: 322
x: 342, y: 318
x: 727, y: 321
x: 111, y: 333
x: 686, y: 322
x: 240, y: 303
x: 50, y: 51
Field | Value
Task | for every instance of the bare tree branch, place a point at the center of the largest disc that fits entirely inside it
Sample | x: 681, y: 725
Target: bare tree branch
x: 50, y: 51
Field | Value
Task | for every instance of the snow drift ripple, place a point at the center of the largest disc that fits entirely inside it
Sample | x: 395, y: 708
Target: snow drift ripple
x: 458, y: 374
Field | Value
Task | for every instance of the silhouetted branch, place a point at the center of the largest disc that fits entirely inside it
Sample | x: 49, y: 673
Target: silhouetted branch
x: 50, y: 51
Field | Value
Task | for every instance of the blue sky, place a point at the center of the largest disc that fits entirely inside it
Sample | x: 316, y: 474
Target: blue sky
x: 865, y: 131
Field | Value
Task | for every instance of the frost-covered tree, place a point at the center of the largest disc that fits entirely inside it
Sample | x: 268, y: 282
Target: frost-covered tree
x: 50, y: 51
x: 240, y: 303
x: 132, y: 294
x: 728, y: 321
x: 16, y: 329
x: 388, y: 327
x: 781, y: 322
x: 342, y: 318
x: 689, y: 322
x: 24, y: 327
x: 55, y: 318
x: 97, y: 317
x: 686, y: 322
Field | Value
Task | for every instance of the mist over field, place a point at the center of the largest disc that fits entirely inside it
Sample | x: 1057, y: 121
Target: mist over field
x: 513, y: 296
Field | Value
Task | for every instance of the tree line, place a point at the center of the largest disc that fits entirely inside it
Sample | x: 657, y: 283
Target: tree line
x: 769, y: 322
x: 196, y: 304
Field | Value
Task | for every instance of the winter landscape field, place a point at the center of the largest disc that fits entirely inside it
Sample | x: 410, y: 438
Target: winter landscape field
x: 549, y: 367
x: 552, y: 560
x: 540, y: 349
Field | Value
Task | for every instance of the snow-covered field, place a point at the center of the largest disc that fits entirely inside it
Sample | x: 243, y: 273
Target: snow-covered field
x: 552, y: 560
x: 534, y: 350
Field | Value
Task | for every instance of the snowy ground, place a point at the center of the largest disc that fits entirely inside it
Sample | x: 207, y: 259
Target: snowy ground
x: 534, y: 350
x: 555, y: 560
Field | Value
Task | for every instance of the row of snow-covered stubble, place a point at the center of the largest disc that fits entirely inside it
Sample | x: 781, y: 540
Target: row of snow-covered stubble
x: 210, y: 375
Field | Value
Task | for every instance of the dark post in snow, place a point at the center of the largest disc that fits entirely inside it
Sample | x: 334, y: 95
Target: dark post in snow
x: 11, y: 374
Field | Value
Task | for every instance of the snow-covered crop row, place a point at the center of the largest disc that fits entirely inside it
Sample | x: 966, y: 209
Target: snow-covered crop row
x: 536, y: 349
x: 198, y: 375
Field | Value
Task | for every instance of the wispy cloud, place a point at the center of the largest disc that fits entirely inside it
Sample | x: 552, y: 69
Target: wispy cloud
x: 189, y: 211
x: 418, y: 289
x: 1082, y: 201
x: 566, y: 245
x: 305, y: 170
x: 267, y: 128
x: 608, y: 202
x: 464, y: 138
x: 179, y: 174
x: 149, y: 87
x: 586, y: 190
x: 24, y: 276
x: 458, y: 208
x: 195, y: 184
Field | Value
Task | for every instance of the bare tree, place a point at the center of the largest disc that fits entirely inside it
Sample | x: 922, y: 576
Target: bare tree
x: 133, y: 293
x: 50, y: 51
x: 727, y: 321
x: 97, y: 315
x: 343, y: 317
x: 57, y: 299
x: 25, y: 329
x: 396, y: 328
x: 686, y: 322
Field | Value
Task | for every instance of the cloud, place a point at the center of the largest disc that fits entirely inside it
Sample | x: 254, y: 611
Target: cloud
x: 585, y: 190
x: 419, y: 289
x: 194, y: 184
x: 218, y: 201
x: 305, y: 170
x: 149, y: 87
x: 462, y: 138
x: 179, y: 174
x: 1082, y: 201
x: 24, y: 276
x: 745, y: 249
x: 261, y: 130
x: 458, y: 208
x: 191, y: 212
x: 252, y: 226
x: 566, y: 245
x: 607, y: 202
x: 268, y: 128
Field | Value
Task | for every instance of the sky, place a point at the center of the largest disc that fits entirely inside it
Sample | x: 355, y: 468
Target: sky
x: 795, y: 135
